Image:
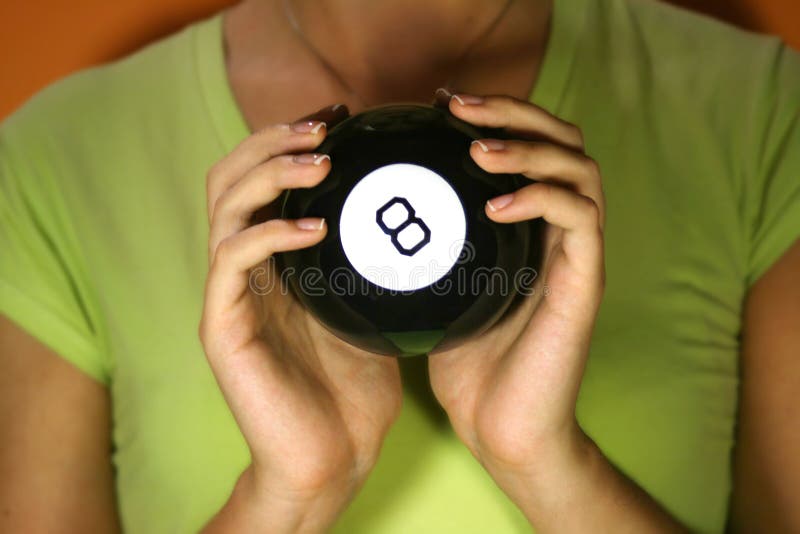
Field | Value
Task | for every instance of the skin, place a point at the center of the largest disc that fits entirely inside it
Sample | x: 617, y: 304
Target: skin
x: 43, y: 401
x: 545, y: 464
x: 766, y: 467
x: 532, y: 363
x: 505, y: 61
x: 312, y: 450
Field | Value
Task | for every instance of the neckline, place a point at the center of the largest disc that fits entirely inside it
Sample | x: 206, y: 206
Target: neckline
x: 566, y: 25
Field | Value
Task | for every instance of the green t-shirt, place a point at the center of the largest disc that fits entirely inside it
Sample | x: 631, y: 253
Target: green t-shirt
x: 696, y: 127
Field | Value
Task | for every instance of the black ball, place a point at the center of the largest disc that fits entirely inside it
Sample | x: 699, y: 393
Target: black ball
x: 410, y: 264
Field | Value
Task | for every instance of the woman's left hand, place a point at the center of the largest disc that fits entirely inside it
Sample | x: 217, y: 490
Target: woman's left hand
x: 510, y: 393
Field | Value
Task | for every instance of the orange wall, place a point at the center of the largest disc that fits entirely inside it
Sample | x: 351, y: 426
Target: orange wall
x: 42, y: 40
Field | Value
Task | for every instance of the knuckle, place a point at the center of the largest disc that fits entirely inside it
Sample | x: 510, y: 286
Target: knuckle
x: 591, y: 210
x: 600, y: 239
x: 208, y: 333
x: 278, y: 172
x: 267, y: 231
x: 592, y: 165
x: 578, y: 133
x: 214, y: 170
x: 264, y: 130
x: 591, y: 207
x: 545, y: 191
x: 268, y: 228
x: 540, y: 149
x: 548, y: 156
x: 579, y: 136
x: 220, y: 205
x: 261, y: 142
x: 575, y: 134
x: 215, y: 174
x: 270, y: 131
x: 223, y: 252
x: 508, y: 104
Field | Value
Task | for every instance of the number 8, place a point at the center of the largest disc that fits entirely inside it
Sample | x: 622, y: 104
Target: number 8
x: 411, y: 219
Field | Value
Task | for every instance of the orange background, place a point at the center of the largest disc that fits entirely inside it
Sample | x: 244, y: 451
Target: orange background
x: 43, y: 40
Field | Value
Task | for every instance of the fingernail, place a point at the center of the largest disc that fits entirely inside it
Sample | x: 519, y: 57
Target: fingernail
x: 310, y: 223
x: 306, y: 126
x: 336, y: 106
x: 489, y: 144
x: 500, y: 202
x: 443, y: 91
x: 468, y: 100
x: 307, y: 159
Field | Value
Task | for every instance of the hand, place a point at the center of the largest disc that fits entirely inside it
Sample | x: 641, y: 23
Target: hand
x: 313, y: 409
x: 511, y: 393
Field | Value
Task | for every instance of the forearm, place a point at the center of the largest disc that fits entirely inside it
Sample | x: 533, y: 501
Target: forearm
x: 574, y: 488
x: 251, y: 508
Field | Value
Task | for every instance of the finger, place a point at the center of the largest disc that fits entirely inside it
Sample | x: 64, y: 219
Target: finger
x: 577, y: 214
x: 441, y: 97
x: 302, y: 135
x: 260, y: 186
x: 237, y: 254
x: 544, y: 162
x: 332, y: 115
x: 258, y: 148
x: 518, y: 117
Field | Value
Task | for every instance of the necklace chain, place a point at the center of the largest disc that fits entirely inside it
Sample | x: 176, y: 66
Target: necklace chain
x: 289, y: 13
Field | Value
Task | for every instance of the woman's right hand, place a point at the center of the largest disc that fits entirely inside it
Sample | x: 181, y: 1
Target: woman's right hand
x: 313, y: 409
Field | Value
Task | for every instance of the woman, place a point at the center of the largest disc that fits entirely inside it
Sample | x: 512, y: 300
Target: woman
x: 610, y: 402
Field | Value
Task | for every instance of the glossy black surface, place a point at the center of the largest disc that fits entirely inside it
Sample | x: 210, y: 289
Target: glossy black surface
x: 458, y: 305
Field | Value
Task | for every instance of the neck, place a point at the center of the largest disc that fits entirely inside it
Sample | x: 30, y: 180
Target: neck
x: 381, y: 44
x: 400, y: 49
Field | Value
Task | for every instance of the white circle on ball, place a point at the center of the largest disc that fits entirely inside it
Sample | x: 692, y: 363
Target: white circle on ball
x: 386, y: 242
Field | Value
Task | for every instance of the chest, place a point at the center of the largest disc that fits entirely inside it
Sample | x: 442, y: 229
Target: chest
x: 659, y: 392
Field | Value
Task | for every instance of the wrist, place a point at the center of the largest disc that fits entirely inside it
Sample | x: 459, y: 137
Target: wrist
x: 570, y: 486
x: 559, y: 449
x: 552, y: 474
x: 259, y: 503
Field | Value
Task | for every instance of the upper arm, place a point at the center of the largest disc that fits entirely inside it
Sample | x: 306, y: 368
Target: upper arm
x: 766, y: 495
x: 55, y: 463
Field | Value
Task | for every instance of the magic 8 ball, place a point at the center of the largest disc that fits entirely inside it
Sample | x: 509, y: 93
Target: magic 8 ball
x: 410, y: 263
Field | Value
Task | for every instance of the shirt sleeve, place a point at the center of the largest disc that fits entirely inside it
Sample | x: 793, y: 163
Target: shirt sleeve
x: 42, y: 286
x: 772, y: 190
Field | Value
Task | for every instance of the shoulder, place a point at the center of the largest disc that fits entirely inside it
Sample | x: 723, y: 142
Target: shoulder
x: 104, y: 104
x: 720, y: 84
x: 730, y: 101
x: 699, y: 56
x: 716, y: 88
x: 679, y: 32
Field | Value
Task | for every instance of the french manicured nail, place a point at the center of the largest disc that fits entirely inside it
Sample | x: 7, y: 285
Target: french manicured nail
x: 310, y: 223
x: 443, y: 91
x: 310, y: 159
x: 468, y: 100
x: 489, y: 144
x: 500, y: 202
x: 306, y: 126
x: 327, y: 109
